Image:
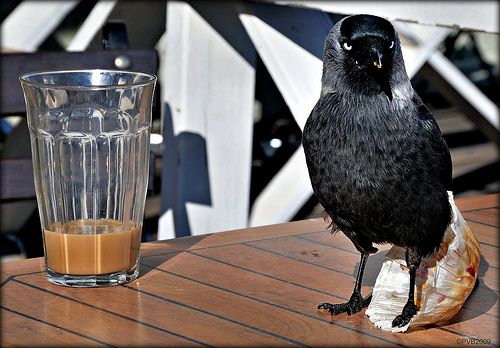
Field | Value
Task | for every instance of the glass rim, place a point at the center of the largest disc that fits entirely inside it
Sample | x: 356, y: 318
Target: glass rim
x: 151, y: 78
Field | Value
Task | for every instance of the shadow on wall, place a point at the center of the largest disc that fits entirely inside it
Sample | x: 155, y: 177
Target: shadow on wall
x: 185, y: 176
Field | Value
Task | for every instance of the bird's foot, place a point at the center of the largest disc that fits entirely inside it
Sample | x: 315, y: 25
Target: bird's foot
x: 409, y: 310
x: 354, y: 305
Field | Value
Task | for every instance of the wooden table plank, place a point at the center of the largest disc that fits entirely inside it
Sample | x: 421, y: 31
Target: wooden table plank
x: 291, y: 249
x: 485, y: 234
x: 487, y: 217
x: 164, y: 314
x: 88, y: 319
x: 253, y: 287
x: 259, y: 315
x: 293, y: 298
x: 233, y: 237
x: 19, y: 329
x: 477, y: 202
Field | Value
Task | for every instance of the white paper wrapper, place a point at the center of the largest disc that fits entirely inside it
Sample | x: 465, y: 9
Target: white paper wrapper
x: 443, y: 283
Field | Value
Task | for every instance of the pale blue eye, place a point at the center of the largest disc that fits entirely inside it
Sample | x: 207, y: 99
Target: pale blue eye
x: 347, y: 46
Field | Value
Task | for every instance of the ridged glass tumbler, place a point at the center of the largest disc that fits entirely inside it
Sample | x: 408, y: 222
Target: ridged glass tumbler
x: 89, y: 133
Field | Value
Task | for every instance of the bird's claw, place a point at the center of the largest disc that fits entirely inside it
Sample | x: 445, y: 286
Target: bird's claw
x: 409, y: 310
x: 354, y: 305
x: 334, y: 309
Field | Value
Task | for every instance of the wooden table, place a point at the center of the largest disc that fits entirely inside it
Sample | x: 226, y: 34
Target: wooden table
x: 250, y: 287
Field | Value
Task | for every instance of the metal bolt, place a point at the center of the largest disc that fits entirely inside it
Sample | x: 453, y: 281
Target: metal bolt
x: 122, y: 62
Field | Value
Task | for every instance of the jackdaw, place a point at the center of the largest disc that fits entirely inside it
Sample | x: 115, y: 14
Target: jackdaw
x: 376, y: 158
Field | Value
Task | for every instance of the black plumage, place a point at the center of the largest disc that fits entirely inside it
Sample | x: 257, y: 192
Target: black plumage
x: 376, y: 158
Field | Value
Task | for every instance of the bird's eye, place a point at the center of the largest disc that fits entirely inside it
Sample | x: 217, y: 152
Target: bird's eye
x: 347, y: 47
x: 392, y: 44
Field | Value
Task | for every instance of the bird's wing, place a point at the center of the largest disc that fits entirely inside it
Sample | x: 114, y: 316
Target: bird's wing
x: 430, y: 124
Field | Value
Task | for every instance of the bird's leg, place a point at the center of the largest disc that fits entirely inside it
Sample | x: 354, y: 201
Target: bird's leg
x: 410, y: 309
x: 356, y: 302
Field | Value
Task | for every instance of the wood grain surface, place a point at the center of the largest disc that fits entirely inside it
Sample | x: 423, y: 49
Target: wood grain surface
x: 251, y: 287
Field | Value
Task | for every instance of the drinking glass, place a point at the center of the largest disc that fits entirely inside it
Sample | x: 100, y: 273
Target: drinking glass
x: 89, y: 132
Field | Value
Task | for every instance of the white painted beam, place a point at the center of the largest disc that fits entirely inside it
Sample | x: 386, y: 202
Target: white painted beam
x: 478, y: 107
x: 296, y: 71
x: 285, y: 195
x: 31, y: 22
x: 419, y: 42
x: 469, y: 15
x: 290, y: 43
x: 453, y: 83
x: 208, y: 93
x: 92, y: 24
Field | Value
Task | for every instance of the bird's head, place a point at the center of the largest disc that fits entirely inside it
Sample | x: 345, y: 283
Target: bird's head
x: 364, y: 51
x: 367, y: 43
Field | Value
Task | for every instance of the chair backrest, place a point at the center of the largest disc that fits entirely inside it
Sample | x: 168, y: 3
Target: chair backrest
x: 12, y: 65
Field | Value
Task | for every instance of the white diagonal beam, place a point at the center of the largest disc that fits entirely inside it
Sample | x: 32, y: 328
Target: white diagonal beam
x: 31, y: 22
x: 463, y: 92
x: 419, y: 42
x: 455, y: 85
x: 286, y: 193
x: 92, y: 24
x: 296, y: 72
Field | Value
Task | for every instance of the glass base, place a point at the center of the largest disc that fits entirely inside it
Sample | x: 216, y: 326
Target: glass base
x: 97, y: 280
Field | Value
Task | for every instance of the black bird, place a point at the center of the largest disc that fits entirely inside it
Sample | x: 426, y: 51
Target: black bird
x: 376, y: 158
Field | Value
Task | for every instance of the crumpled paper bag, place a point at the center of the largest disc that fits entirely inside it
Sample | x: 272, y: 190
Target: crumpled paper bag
x: 444, y: 280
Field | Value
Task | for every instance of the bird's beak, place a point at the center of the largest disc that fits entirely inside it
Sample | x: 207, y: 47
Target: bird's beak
x: 377, y: 62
